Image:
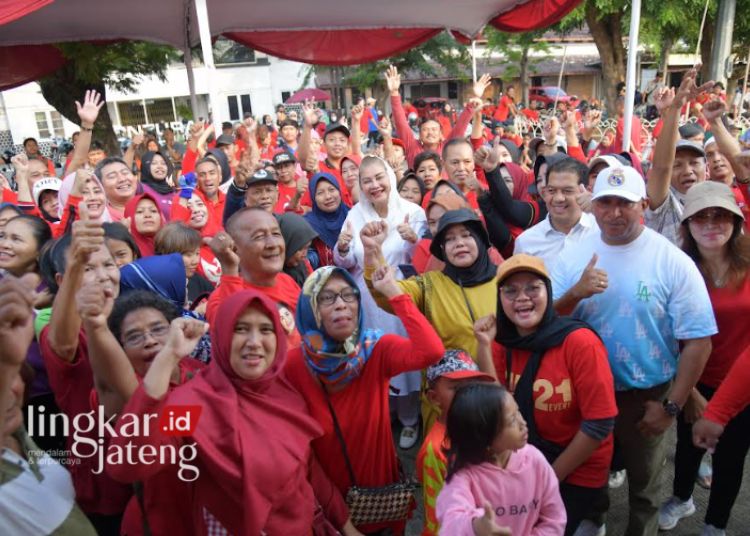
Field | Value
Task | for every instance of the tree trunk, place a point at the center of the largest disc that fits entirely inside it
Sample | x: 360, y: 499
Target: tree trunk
x: 61, y: 89
x: 666, y: 48
x: 524, y: 65
x: 707, y: 44
x: 607, y: 33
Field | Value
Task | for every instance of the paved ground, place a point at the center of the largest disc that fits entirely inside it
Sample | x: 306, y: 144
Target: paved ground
x: 738, y: 526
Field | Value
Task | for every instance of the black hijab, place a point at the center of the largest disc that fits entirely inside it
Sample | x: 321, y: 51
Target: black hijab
x: 296, y: 232
x: 550, y: 333
x: 221, y: 158
x: 483, y: 269
x: 158, y: 185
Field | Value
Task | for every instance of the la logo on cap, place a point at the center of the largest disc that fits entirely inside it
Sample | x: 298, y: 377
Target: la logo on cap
x: 616, y: 178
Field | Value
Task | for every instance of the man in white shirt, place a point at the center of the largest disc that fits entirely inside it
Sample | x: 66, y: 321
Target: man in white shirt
x: 565, y: 222
x: 648, y: 302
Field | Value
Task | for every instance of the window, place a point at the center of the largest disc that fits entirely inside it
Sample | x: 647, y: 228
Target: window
x: 246, y: 106
x: 234, y: 111
x: 425, y: 90
x: 57, y: 124
x: 160, y: 111
x: 131, y: 113
x: 227, y: 51
x: 452, y: 90
x: 41, y: 124
x: 285, y: 95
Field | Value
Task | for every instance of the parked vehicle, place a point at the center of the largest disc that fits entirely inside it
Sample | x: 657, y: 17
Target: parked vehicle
x: 546, y: 95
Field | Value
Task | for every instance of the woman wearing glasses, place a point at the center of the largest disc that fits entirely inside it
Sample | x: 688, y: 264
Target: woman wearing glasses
x: 344, y: 369
x: 558, y: 371
x: 712, y: 236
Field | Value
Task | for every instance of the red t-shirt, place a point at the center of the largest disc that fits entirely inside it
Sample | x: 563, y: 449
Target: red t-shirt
x: 71, y: 383
x: 731, y: 309
x: 531, y: 114
x: 285, y: 291
x: 574, y: 383
x: 286, y: 193
x: 503, y: 108
x: 362, y: 407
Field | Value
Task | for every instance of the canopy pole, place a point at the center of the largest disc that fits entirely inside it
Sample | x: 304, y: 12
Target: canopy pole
x: 474, y: 60
x: 201, y: 13
x: 744, y: 84
x: 635, y: 22
x: 188, y: 57
x: 560, y: 77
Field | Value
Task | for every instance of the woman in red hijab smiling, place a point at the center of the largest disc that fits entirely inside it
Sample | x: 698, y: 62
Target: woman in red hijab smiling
x: 145, y: 221
x: 257, y: 471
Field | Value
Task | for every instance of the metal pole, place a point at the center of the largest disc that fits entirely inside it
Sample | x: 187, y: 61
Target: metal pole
x: 191, y: 82
x: 635, y: 21
x: 722, y: 47
x: 201, y: 13
x: 747, y: 71
x: 474, y: 60
x: 559, y: 78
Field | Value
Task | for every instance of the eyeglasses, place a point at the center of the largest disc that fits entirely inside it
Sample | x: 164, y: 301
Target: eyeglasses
x: 717, y: 215
x: 327, y: 298
x: 137, y: 339
x: 512, y: 293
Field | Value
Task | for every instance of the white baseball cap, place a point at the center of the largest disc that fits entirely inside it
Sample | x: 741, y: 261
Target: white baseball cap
x: 623, y: 182
x: 47, y: 183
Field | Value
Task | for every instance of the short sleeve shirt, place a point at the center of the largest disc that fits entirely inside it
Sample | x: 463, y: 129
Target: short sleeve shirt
x: 665, y: 220
x: 655, y: 298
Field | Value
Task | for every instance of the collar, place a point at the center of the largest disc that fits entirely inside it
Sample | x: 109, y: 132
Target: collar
x: 586, y: 220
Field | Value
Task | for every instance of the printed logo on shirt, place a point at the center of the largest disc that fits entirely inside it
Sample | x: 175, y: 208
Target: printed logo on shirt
x: 544, y: 390
x: 92, y: 430
x: 643, y: 294
x: 517, y: 509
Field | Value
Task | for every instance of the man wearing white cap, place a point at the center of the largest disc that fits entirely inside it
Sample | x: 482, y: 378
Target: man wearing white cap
x: 648, y: 302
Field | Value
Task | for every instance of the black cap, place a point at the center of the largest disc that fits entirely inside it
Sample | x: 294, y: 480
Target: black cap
x: 336, y: 127
x: 283, y: 157
x: 224, y: 139
x: 261, y: 176
x: 452, y: 217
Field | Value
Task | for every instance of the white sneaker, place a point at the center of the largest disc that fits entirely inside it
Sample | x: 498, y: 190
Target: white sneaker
x: 589, y: 528
x: 616, y: 479
x: 710, y: 530
x: 408, y: 437
x: 673, y: 510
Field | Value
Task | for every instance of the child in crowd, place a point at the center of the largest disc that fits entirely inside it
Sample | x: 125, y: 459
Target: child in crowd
x: 490, y: 464
x: 454, y: 370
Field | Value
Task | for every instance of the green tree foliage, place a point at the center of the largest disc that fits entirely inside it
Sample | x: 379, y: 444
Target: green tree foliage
x: 94, y: 66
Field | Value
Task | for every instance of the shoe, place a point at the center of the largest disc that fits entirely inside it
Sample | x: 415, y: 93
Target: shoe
x: 616, y: 479
x: 710, y: 530
x: 673, y: 510
x: 589, y: 528
x: 408, y: 437
x: 705, y: 474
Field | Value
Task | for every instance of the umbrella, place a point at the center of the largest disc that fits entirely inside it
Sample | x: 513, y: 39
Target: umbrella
x: 309, y: 93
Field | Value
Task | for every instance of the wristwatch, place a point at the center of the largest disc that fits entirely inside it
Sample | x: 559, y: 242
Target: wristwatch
x: 671, y: 408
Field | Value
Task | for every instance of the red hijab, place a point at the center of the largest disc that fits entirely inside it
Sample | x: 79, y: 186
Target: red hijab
x: 253, y: 435
x: 145, y: 243
x: 521, y: 181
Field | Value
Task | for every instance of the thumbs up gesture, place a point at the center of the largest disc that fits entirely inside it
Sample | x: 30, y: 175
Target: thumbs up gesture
x: 593, y: 280
x: 88, y: 236
x: 406, y: 232
x: 345, y: 238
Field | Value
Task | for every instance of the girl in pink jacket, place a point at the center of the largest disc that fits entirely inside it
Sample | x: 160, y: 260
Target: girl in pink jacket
x: 496, y: 483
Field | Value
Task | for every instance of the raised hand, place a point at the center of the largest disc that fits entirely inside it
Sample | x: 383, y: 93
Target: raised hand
x: 242, y: 173
x: 406, y: 232
x: 385, y: 128
x: 225, y: 251
x: 184, y: 335
x: 94, y: 304
x: 87, y: 237
x: 357, y: 111
x: 569, y: 120
x: 593, y: 280
x: 20, y: 163
x: 550, y: 129
x: 373, y: 234
x: 384, y: 281
x: 584, y: 198
x: 487, y: 157
x: 188, y: 183
x: 310, y: 112
x: 302, y: 185
x: 137, y: 140
x: 485, y: 329
x: 591, y: 119
x: 393, y: 80
x: 89, y: 110
x: 17, y: 297
x: 714, y: 109
x: 481, y: 85
x: 345, y: 238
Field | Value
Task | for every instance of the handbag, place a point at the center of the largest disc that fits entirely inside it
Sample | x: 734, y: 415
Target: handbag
x: 380, y: 504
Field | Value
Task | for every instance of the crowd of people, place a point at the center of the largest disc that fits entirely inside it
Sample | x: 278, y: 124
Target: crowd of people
x: 530, y: 315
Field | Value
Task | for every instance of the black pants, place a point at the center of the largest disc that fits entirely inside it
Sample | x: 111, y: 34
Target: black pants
x: 728, y: 463
x: 582, y: 503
